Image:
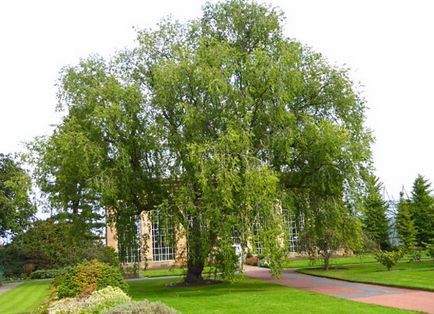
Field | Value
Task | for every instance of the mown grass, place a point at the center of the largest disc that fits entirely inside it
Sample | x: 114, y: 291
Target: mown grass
x: 355, y: 259
x: 24, y: 298
x: 171, y: 272
x: 418, y: 275
x: 247, y: 295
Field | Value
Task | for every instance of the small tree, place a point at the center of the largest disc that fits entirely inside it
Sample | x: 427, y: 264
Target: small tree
x: 331, y: 228
x: 388, y: 259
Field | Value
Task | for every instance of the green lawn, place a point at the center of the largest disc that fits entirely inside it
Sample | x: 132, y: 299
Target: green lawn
x: 243, y: 296
x: 357, y: 259
x: 247, y: 296
x: 24, y: 298
x: 404, y: 274
x: 170, y: 272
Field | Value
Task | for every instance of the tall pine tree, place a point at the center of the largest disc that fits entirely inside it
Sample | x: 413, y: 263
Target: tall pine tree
x: 375, y: 221
x: 422, y: 210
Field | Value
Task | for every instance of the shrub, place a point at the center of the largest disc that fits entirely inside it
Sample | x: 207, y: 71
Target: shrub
x: 388, y: 259
x: 144, y: 307
x: 129, y: 271
x: 252, y: 261
x: 430, y: 250
x: 415, y: 255
x: 53, y: 244
x: 264, y: 263
x: 97, y: 302
x: 12, y: 261
x: 47, y: 273
x: 87, y: 277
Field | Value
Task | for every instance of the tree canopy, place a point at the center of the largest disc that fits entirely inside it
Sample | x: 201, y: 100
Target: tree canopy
x: 16, y: 208
x: 219, y: 124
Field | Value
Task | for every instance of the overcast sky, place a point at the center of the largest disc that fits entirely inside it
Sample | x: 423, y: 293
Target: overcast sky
x: 389, y: 45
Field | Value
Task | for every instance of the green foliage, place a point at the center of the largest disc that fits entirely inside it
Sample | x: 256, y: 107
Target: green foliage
x: 422, y: 210
x: 87, y: 277
x: 430, y: 248
x: 16, y: 209
x: 12, y: 260
x: 96, y: 302
x: 47, y: 273
x: 218, y: 124
x: 416, y: 255
x: 331, y: 227
x: 375, y: 222
x: 141, y: 307
x: 48, y: 244
x: 64, y: 172
x: 405, y: 224
x: 388, y: 259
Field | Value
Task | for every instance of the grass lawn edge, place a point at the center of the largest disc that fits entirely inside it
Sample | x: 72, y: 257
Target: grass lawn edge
x: 305, y: 271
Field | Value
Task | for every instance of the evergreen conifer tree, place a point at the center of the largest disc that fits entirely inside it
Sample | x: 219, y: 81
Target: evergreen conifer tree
x: 375, y: 221
x: 422, y: 210
x: 405, y: 224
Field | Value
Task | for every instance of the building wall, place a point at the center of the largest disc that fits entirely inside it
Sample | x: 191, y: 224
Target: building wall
x: 180, y: 246
x: 146, y: 242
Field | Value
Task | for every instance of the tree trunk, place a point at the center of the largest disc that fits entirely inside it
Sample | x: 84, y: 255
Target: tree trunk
x: 194, y: 271
x: 327, y: 260
x: 195, y: 263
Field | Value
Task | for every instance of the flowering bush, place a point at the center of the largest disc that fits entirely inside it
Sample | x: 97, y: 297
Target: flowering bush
x: 144, y: 307
x: 97, y: 302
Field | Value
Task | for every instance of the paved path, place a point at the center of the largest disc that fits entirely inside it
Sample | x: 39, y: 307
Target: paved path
x: 374, y: 294
x: 8, y: 286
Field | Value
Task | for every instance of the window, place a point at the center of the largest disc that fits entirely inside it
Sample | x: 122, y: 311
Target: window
x: 236, y: 238
x: 293, y: 235
x: 256, y: 241
x: 162, y: 239
x: 130, y: 252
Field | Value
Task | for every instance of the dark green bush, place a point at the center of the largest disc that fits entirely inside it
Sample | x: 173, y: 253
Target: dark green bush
x: 47, y: 273
x: 388, y: 259
x: 141, y: 307
x: 52, y: 244
x: 12, y: 261
x: 87, y: 277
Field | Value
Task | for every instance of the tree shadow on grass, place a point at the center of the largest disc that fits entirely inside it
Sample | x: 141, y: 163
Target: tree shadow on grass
x: 145, y: 289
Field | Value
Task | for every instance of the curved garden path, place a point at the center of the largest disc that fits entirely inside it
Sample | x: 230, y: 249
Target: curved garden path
x: 360, y: 292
